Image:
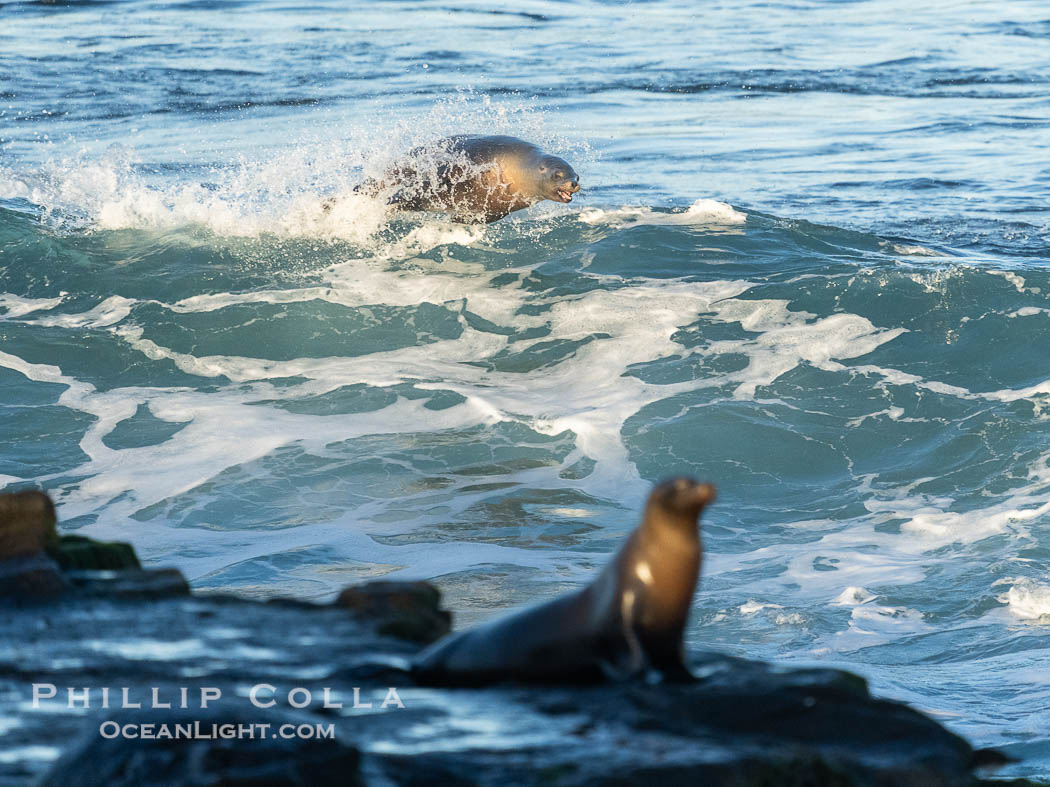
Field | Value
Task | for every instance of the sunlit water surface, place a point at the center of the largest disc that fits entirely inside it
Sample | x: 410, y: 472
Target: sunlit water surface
x: 810, y: 263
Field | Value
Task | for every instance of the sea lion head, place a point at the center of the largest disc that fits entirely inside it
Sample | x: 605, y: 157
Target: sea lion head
x: 681, y: 499
x: 556, y: 180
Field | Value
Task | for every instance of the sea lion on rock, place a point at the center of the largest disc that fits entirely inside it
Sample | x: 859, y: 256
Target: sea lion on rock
x: 627, y: 623
x: 477, y: 179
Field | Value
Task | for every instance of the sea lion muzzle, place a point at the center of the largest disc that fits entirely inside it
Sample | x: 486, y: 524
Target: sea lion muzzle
x: 627, y: 623
x: 567, y: 189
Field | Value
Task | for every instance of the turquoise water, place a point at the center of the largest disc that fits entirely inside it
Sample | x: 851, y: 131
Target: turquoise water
x: 810, y: 262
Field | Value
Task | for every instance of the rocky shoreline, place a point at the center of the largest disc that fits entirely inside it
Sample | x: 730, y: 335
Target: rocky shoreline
x: 86, y: 627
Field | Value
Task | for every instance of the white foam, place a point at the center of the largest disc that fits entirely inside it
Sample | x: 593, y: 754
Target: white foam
x: 872, y: 624
x: 928, y: 520
x: 587, y: 393
x: 226, y: 211
x: 230, y: 428
x: 364, y: 283
x: 709, y: 211
x: 752, y: 607
x: 788, y: 338
x: 16, y: 306
x: 1028, y: 600
x: 571, y: 395
x: 1010, y: 276
x: 897, y: 377
x: 853, y: 596
x: 571, y: 513
x: 703, y: 212
x: 893, y: 413
x: 222, y: 431
x: 305, y: 189
x: 109, y: 312
x: 911, y: 250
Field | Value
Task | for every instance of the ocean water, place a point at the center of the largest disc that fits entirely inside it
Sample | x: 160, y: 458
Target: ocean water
x: 810, y: 263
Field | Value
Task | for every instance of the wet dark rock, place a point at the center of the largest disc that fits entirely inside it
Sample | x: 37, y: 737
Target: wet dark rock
x: 744, y: 723
x: 79, y: 553
x: 140, y: 633
x: 39, y: 566
x: 131, y: 583
x: 174, y: 643
x: 33, y: 578
x: 407, y: 610
x: 741, y: 723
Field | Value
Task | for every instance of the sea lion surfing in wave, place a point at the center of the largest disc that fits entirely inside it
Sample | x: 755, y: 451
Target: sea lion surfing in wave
x: 627, y: 623
x: 476, y: 179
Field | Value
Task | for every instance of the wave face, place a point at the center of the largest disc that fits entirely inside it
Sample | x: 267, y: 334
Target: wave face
x: 810, y: 263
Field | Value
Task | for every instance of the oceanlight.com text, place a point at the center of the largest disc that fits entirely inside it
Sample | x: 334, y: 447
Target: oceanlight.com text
x: 203, y: 732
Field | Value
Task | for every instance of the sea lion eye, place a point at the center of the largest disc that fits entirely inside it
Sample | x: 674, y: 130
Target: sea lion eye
x: 559, y: 174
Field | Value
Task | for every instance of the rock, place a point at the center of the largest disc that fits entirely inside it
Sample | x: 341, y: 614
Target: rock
x: 182, y: 642
x: 79, y: 553
x: 33, y: 578
x: 407, y: 610
x: 741, y: 723
x: 27, y: 523
x: 38, y: 565
x: 130, y: 583
x: 265, y: 758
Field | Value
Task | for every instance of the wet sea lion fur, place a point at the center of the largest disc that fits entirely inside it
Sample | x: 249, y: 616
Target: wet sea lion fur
x: 475, y: 178
x: 627, y: 623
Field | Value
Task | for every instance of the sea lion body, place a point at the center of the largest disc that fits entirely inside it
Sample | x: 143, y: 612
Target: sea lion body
x: 626, y: 623
x: 477, y: 179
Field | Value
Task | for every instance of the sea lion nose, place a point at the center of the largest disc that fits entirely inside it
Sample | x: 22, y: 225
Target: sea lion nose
x: 574, y: 184
x: 704, y: 494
